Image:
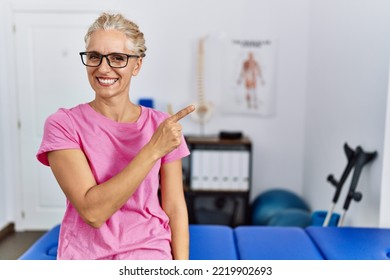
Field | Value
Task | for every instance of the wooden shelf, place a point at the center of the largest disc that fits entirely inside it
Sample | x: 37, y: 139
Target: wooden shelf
x: 224, y: 205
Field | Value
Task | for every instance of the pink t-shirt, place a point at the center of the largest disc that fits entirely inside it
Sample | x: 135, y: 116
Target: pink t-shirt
x: 138, y: 230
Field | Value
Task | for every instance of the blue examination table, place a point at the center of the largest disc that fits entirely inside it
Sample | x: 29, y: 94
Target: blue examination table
x: 218, y: 242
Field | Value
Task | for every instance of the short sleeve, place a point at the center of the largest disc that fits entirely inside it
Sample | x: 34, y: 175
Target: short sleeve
x: 178, y: 153
x: 156, y: 118
x: 58, y: 134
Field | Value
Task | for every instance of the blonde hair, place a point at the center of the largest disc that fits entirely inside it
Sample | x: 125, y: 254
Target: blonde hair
x: 118, y: 22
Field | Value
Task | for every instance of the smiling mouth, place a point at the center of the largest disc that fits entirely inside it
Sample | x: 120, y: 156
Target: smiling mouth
x: 106, y: 81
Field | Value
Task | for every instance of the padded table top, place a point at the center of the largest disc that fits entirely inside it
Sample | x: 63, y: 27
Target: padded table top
x: 275, y: 243
x: 212, y: 242
x: 351, y: 243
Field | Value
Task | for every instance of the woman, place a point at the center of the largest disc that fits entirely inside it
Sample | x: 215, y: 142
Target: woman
x: 110, y: 156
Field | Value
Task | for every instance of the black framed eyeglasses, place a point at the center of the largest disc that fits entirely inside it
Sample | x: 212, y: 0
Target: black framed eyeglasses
x: 114, y: 60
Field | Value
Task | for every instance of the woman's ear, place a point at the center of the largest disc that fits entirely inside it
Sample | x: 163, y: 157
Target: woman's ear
x: 137, y: 66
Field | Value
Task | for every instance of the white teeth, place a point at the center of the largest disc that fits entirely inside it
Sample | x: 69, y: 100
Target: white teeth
x: 107, y: 81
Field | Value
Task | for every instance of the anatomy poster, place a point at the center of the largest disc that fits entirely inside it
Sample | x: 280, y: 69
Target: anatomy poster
x: 249, y: 77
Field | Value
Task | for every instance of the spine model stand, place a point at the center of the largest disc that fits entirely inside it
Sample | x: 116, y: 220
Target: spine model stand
x: 204, y: 108
x: 356, y: 159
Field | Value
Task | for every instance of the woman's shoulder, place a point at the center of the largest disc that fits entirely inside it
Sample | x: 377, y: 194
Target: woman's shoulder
x: 63, y: 112
x: 64, y: 115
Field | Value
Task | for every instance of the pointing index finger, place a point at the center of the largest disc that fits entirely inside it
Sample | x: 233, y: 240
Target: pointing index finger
x: 182, y: 113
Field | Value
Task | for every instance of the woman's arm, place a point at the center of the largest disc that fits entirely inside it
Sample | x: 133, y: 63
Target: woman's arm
x: 96, y: 203
x: 173, y: 203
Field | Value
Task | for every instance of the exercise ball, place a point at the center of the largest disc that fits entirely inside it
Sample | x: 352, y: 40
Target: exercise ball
x: 291, y: 217
x: 270, y: 202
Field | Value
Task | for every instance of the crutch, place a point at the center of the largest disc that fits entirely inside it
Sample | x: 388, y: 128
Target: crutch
x: 351, y: 157
x: 362, y: 158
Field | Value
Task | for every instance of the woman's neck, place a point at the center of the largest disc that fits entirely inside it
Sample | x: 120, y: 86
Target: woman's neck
x: 119, y: 111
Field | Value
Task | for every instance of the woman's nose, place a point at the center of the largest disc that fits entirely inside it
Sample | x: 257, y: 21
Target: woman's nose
x: 104, y: 66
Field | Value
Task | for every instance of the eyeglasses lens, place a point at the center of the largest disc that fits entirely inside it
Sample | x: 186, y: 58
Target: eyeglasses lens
x: 115, y: 60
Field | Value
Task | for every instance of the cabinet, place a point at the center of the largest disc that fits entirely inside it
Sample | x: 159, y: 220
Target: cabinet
x: 217, y: 180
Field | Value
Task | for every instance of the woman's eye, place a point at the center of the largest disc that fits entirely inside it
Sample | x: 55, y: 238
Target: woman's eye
x: 118, y: 58
x: 93, y: 56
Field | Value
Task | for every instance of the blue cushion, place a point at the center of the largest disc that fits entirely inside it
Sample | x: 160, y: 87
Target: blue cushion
x: 348, y: 243
x: 207, y: 242
x: 45, y: 248
x: 218, y: 242
x: 212, y: 242
x: 274, y: 243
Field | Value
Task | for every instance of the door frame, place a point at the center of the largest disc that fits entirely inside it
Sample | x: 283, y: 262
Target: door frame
x: 11, y: 149
x: 384, y: 210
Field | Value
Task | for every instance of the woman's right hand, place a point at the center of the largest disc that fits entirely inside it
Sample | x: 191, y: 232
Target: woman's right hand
x: 168, y: 135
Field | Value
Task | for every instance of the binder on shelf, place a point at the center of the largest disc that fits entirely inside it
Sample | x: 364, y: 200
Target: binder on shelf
x: 219, y: 165
x: 225, y: 166
x: 235, y: 158
x: 244, y: 171
x: 214, y: 171
x: 196, y: 170
x: 206, y: 167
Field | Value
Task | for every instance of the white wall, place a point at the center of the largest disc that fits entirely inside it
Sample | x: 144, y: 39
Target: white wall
x: 346, y: 99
